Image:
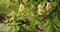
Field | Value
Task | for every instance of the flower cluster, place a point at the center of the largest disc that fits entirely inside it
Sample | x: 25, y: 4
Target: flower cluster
x: 21, y: 8
x: 40, y: 9
x: 48, y: 6
x: 25, y: 1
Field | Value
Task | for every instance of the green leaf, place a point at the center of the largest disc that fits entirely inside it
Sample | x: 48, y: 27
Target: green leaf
x: 56, y: 21
x: 2, y: 27
x: 42, y: 4
x: 55, y: 3
x: 13, y: 29
x: 49, y: 27
x: 33, y: 23
x: 10, y: 29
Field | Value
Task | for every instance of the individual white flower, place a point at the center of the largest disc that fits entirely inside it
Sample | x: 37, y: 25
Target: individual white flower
x: 40, y: 9
x: 21, y: 8
x: 48, y: 6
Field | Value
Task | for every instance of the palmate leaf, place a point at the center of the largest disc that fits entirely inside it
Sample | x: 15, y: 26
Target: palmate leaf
x: 49, y: 27
x: 13, y: 29
x: 55, y: 3
x: 56, y: 21
x: 33, y: 23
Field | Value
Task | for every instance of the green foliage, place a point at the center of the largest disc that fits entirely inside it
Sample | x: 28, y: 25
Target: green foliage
x: 27, y: 15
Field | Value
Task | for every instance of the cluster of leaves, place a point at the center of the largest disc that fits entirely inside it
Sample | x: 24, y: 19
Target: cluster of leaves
x: 31, y: 14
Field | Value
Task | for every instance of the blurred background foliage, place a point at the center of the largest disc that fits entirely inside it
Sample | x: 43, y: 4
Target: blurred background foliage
x: 31, y: 15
